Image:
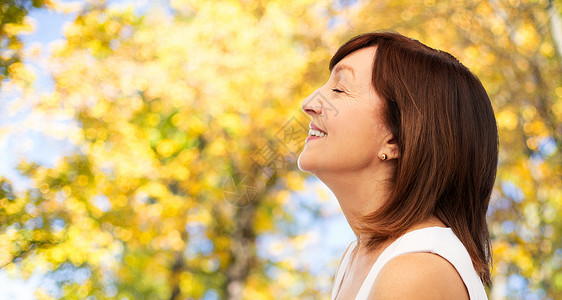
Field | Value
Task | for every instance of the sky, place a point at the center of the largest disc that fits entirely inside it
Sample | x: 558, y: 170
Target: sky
x: 26, y: 143
x: 29, y: 144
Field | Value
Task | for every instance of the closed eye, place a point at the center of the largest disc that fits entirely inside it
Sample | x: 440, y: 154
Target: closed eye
x: 337, y: 90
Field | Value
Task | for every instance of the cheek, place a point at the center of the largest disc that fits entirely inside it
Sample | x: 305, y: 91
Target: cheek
x: 361, y: 132
x: 356, y: 124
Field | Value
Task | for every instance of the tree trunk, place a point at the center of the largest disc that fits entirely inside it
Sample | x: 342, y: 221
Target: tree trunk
x: 243, y: 252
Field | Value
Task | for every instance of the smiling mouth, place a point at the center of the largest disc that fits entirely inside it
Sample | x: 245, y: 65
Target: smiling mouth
x: 317, y: 133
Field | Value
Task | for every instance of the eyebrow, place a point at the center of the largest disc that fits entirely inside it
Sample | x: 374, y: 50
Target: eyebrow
x: 345, y: 67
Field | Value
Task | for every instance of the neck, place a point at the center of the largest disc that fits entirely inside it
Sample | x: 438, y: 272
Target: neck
x: 359, y: 193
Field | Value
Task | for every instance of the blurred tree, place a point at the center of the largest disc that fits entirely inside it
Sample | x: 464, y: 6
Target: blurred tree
x: 13, y: 22
x: 190, y: 126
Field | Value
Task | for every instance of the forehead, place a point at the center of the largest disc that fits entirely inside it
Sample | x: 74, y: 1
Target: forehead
x: 359, y: 63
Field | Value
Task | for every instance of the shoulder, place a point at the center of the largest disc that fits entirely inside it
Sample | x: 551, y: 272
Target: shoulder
x: 418, y: 276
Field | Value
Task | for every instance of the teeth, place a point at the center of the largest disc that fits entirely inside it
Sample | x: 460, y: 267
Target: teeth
x: 315, y: 132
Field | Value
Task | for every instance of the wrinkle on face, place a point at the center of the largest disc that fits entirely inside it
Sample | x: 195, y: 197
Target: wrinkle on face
x: 344, y: 78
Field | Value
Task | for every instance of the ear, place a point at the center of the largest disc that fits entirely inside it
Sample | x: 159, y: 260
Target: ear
x: 390, y: 147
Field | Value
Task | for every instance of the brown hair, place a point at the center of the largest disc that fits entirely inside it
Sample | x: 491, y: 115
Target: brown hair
x: 444, y: 125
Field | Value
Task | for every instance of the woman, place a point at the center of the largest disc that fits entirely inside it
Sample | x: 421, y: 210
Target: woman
x: 405, y: 137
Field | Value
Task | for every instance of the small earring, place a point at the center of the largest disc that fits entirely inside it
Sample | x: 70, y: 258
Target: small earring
x: 383, y: 156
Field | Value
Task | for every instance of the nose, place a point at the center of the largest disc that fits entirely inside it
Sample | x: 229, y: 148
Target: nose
x: 313, y: 104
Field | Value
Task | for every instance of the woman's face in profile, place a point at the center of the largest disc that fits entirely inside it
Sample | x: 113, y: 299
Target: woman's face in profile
x: 350, y: 112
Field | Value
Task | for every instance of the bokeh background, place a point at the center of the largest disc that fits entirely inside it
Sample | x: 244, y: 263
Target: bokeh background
x: 148, y: 148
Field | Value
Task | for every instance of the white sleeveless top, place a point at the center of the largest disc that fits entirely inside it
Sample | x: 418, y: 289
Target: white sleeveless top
x: 438, y: 240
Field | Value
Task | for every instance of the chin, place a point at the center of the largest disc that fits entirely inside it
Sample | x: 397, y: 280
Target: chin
x: 301, y: 163
x: 305, y: 163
